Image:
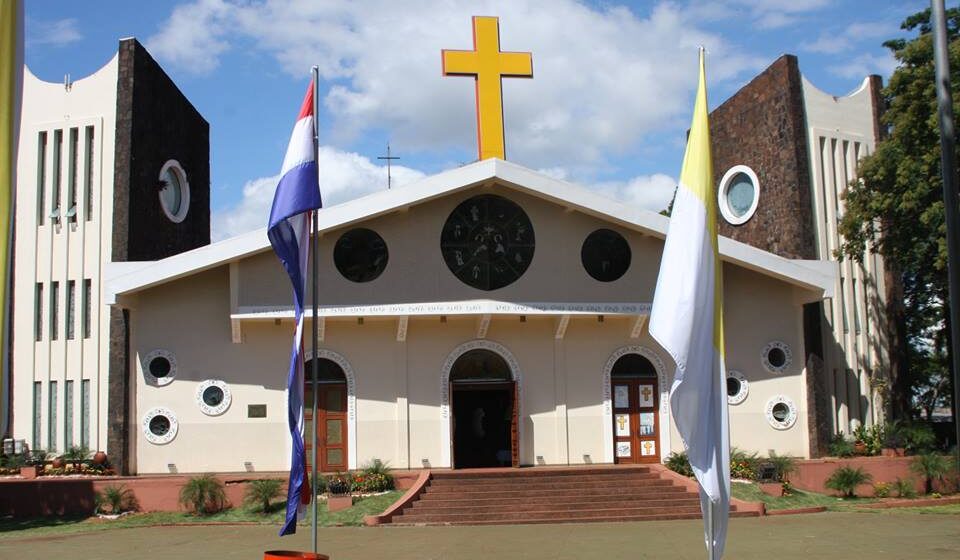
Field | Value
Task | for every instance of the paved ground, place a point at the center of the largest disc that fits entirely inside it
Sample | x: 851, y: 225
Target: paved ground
x: 807, y: 537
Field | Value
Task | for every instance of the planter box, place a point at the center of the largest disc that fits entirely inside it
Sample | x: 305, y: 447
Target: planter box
x: 28, y: 472
x: 892, y: 452
x: 772, y: 488
x: 338, y: 503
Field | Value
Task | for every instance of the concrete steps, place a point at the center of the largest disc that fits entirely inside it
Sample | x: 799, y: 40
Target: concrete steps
x: 550, y: 495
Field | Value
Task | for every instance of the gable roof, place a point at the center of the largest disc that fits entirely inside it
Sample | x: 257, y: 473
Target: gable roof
x: 131, y: 277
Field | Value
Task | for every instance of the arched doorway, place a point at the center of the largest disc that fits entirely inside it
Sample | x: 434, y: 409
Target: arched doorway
x: 484, y: 411
x: 332, y: 425
x: 636, y: 402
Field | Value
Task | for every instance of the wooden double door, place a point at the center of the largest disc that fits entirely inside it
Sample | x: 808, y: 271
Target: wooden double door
x: 636, y: 422
x: 332, y: 427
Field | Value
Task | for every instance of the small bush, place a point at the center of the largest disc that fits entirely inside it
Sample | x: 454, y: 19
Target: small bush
x: 743, y: 465
x: 846, y: 479
x: 117, y: 498
x: 932, y: 466
x: 375, y: 482
x: 203, y: 494
x: 376, y: 466
x: 904, y: 488
x: 918, y: 438
x: 783, y: 465
x: 881, y: 489
x: 338, y: 484
x: 76, y: 455
x: 679, y: 463
x: 259, y: 493
x: 840, y: 446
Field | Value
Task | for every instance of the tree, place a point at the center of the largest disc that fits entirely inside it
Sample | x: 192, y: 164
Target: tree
x: 896, y: 208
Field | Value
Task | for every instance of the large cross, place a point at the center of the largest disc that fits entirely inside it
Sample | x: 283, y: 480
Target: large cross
x: 488, y: 65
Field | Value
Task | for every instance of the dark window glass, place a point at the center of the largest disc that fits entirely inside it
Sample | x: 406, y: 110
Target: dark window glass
x: 776, y: 357
x: 88, y: 176
x: 213, y: 396
x: 733, y: 386
x: 38, y: 313
x: 72, y: 176
x: 330, y: 371
x: 54, y: 311
x: 71, y: 307
x: 633, y: 365
x: 360, y: 255
x: 781, y: 411
x: 41, y: 177
x: 605, y: 255
x: 488, y: 242
x: 160, y: 367
x: 57, y: 175
x: 480, y: 365
x: 159, y: 425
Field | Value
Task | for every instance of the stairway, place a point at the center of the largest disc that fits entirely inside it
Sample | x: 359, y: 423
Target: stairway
x: 550, y: 495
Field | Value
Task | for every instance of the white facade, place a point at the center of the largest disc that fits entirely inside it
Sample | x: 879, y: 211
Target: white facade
x: 841, y: 132
x: 64, y: 203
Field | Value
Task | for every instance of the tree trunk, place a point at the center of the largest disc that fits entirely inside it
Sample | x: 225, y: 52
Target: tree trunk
x: 899, y: 405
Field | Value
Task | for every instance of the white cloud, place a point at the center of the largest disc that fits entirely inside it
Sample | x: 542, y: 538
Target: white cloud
x: 833, y: 42
x: 56, y: 33
x: 343, y: 176
x: 865, y: 64
x: 651, y: 192
x: 195, y: 35
x: 605, y: 78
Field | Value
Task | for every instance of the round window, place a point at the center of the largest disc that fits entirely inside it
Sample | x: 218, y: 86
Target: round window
x: 159, y: 367
x: 781, y: 412
x: 159, y: 425
x: 487, y: 242
x: 360, y: 255
x: 174, y: 191
x: 737, y: 387
x: 213, y: 397
x: 738, y: 195
x: 605, y: 255
x: 776, y: 357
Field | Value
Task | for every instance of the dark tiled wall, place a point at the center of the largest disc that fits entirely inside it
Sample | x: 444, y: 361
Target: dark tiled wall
x: 155, y: 123
x: 763, y: 126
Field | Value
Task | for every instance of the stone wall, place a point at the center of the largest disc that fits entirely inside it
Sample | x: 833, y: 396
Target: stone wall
x: 763, y: 126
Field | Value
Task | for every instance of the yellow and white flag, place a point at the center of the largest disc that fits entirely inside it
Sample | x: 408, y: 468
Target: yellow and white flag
x: 11, y: 78
x: 687, y: 320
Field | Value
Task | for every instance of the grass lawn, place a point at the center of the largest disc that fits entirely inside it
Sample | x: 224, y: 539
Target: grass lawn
x: 61, y: 526
x: 798, y: 499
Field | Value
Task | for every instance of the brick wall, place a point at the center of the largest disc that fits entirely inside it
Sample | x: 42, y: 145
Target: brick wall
x: 763, y: 126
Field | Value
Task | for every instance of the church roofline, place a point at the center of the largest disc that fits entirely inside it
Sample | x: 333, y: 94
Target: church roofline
x: 128, y: 278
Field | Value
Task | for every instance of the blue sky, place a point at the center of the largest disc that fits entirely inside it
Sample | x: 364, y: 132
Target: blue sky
x: 608, y: 106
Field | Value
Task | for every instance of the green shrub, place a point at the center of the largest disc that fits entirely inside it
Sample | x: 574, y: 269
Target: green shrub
x: 840, y: 446
x: 76, y: 455
x: 881, y: 489
x: 918, y: 438
x: 375, y: 482
x: 679, y: 463
x: 376, y: 466
x: 931, y: 466
x: 846, y: 479
x: 118, y: 498
x: 743, y: 465
x: 783, y: 465
x: 338, y: 484
x: 203, y: 494
x: 904, y: 488
x: 259, y: 493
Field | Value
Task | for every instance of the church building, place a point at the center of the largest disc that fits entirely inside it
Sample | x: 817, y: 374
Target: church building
x: 489, y: 315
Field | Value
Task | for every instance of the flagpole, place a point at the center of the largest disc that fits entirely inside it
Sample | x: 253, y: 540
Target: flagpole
x: 315, y: 248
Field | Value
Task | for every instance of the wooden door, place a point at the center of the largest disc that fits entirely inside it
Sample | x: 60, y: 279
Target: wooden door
x: 331, y: 426
x: 636, y: 430
x: 515, y: 427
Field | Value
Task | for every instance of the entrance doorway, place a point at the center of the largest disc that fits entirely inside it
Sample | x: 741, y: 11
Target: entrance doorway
x: 331, y: 437
x: 485, y: 417
x: 636, y: 422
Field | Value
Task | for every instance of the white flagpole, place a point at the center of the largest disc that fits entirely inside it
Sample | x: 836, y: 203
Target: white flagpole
x: 315, y: 247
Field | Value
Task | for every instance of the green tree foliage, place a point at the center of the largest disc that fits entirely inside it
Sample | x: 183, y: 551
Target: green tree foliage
x: 897, y: 209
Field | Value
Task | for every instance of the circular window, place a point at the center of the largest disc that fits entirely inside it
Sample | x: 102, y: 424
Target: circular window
x: 737, y: 387
x: 739, y: 194
x: 605, y: 255
x: 487, y: 242
x: 776, y: 357
x: 781, y: 412
x: 174, y: 191
x: 160, y: 367
x: 360, y: 255
x: 213, y: 397
x: 159, y: 425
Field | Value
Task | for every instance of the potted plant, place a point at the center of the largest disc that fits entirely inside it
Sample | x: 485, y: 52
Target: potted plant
x: 338, y: 493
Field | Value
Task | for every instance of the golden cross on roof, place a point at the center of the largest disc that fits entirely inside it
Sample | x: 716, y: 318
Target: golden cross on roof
x: 488, y: 65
